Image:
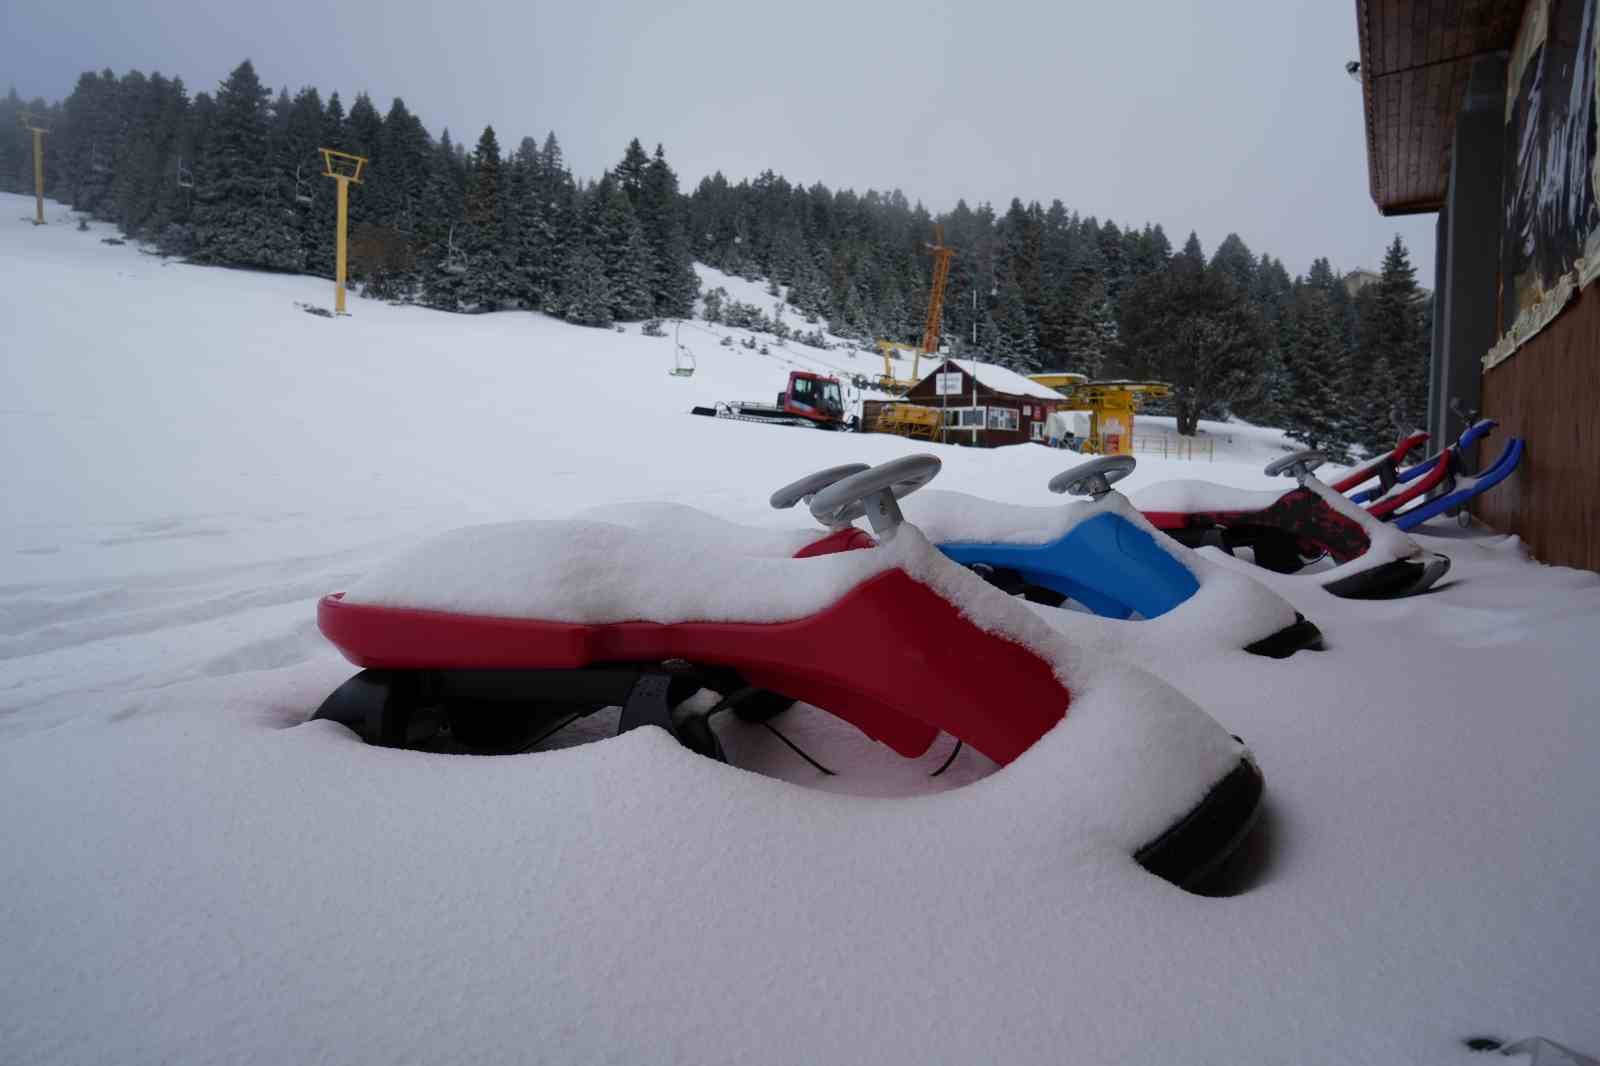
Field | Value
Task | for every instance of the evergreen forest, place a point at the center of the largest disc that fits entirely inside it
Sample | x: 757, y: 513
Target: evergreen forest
x: 234, y: 177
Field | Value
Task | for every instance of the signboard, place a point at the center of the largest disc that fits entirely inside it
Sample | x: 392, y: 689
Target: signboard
x: 1550, y: 207
x: 948, y: 384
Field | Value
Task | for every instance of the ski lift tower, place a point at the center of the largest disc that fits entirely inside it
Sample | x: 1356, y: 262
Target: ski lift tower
x: 37, y: 125
x: 343, y: 168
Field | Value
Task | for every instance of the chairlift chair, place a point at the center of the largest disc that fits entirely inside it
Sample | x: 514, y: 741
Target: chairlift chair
x: 682, y: 358
x: 300, y: 193
x: 455, y: 260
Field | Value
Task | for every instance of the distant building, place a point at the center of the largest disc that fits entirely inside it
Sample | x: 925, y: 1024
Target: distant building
x: 981, y: 404
x: 1357, y: 280
x: 1483, y: 111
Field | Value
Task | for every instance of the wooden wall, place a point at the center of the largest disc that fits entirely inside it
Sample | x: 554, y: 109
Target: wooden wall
x: 1548, y: 393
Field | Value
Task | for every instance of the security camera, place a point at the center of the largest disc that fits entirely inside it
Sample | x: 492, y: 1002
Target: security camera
x: 1353, y: 68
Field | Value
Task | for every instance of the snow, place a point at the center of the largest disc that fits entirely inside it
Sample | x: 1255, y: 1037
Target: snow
x: 190, y: 871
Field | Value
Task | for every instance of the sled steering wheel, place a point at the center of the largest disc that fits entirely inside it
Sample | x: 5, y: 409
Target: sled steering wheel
x: 1094, y: 478
x: 873, y: 493
x: 1297, y: 465
x: 801, y: 491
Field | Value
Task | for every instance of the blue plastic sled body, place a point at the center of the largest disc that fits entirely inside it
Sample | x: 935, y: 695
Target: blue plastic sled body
x: 1465, y: 488
x: 1106, y: 563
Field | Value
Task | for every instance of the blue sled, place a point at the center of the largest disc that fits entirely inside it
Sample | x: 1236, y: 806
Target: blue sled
x: 1465, y: 488
x: 1469, y: 436
x: 1106, y: 563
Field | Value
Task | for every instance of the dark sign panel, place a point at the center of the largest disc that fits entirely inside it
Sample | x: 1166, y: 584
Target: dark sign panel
x: 1550, y: 206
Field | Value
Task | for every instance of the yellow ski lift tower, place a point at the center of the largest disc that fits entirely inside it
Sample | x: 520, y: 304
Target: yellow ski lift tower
x: 37, y: 125
x: 1111, y: 405
x: 343, y: 168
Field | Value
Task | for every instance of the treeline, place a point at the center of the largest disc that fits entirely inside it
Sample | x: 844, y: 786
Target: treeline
x: 235, y: 178
x: 1047, y: 289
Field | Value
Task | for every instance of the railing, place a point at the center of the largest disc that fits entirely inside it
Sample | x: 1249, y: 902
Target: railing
x: 1191, y: 448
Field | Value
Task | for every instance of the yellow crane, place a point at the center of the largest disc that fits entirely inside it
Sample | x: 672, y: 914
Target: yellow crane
x: 932, y: 326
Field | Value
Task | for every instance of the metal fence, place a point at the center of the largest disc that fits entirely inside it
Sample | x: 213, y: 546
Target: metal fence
x: 1192, y: 448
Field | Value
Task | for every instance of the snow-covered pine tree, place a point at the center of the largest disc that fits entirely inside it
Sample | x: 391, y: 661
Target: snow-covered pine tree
x: 239, y: 215
x: 484, y: 286
x: 1399, y: 314
x: 630, y: 172
x: 442, y: 264
x: 1190, y: 327
x: 625, y: 254
x: 674, y: 284
x: 585, y: 291
x: 1312, y: 413
x: 319, y: 219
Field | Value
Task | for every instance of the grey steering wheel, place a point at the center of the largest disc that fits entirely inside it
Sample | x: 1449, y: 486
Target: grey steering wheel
x: 873, y: 493
x: 1094, y: 478
x: 801, y: 491
x: 1297, y: 465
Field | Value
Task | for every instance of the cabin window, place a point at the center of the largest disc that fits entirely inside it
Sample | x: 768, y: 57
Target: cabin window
x: 964, y: 417
x: 1036, y: 430
x: 1003, y: 418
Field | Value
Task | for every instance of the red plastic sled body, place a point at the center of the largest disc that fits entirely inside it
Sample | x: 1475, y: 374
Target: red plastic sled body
x: 891, y: 657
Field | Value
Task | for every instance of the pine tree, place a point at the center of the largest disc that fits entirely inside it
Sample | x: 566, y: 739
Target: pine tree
x: 1191, y: 327
x: 626, y: 256
x: 239, y: 215
x: 673, y: 283
x: 1311, y: 414
x: 585, y: 292
x: 486, y: 283
x: 1400, y: 334
x: 630, y: 172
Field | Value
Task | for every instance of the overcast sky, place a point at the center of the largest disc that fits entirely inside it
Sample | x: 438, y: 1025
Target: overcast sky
x: 1209, y: 116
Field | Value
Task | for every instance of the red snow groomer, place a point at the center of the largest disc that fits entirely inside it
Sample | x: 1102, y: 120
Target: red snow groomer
x: 808, y: 400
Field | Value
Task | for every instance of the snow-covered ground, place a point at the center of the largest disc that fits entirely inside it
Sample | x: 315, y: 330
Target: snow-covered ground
x: 190, y: 871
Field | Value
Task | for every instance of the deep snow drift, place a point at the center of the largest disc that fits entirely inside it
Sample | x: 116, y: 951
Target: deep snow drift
x: 190, y: 871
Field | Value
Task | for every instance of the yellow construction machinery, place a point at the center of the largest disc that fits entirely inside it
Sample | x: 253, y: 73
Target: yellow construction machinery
x: 907, y: 420
x: 1111, y: 406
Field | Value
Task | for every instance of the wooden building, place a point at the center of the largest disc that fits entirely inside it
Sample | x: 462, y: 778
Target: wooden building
x: 983, y: 404
x: 1484, y: 112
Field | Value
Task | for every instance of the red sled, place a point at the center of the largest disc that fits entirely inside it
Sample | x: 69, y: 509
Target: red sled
x: 891, y: 654
x: 1288, y: 532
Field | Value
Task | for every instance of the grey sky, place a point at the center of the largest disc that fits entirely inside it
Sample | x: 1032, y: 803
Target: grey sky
x: 1205, y: 116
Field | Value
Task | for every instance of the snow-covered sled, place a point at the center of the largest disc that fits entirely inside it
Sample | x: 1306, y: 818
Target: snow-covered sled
x: 492, y: 637
x: 1099, y: 553
x: 1440, y: 481
x: 1287, y: 531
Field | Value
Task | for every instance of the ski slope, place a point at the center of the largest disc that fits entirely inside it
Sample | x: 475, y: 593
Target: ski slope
x: 191, y: 871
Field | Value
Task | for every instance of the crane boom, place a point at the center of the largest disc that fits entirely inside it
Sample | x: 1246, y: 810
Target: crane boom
x: 941, y: 275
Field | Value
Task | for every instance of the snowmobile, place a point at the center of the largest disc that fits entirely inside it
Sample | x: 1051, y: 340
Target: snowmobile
x: 489, y: 639
x: 807, y: 400
x: 1289, y: 531
x: 1099, y: 553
